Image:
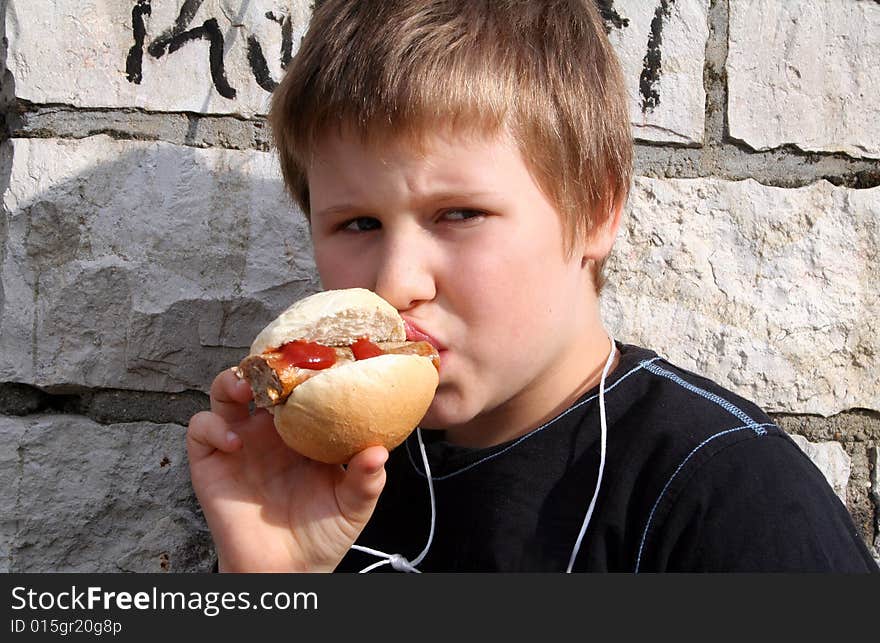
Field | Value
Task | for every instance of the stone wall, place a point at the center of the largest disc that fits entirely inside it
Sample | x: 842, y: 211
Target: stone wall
x: 146, y: 237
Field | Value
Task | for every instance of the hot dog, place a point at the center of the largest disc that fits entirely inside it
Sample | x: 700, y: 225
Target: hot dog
x: 338, y: 375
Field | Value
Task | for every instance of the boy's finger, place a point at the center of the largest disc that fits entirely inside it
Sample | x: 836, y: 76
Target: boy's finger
x: 230, y: 396
x: 208, y: 433
x: 363, y: 482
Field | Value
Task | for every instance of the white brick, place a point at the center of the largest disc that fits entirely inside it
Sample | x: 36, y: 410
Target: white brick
x: 831, y: 459
x: 772, y: 292
x: 86, y: 62
x: 76, y: 52
x: 805, y: 72
x: 85, y: 497
x: 142, y: 265
x: 678, y: 115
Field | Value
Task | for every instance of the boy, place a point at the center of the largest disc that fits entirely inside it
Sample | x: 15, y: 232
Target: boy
x: 469, y: 162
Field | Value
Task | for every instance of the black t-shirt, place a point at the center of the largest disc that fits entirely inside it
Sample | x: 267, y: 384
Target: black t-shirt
x: 696, y: 478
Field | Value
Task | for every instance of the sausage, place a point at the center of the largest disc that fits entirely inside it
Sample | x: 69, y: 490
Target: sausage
x: 272, y: 382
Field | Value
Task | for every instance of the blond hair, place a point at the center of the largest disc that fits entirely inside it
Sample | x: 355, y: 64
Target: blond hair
x: 541, y: 69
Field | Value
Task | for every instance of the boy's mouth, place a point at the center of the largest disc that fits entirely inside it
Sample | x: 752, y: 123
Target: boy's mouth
x: 416, y: 334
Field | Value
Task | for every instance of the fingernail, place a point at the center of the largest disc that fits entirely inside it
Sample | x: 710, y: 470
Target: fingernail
x: 231, y: 436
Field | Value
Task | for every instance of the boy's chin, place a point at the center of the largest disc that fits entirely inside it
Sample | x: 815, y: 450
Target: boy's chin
x: 453, y: 411
x: 444, y: 414
x: 436, y: 422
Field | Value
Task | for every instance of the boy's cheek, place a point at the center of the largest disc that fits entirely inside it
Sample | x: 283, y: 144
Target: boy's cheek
x: 337, y: 270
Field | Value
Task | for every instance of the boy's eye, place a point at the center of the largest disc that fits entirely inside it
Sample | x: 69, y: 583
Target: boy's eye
x: 362, y: 224
x: 462, y: 214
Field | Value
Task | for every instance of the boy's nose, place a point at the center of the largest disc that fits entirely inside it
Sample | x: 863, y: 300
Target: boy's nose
x: 404, y: 277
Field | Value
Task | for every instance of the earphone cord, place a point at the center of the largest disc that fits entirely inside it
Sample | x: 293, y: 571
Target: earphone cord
x: 401, y: 564
x: 398, y: 562
x: 604, y: 425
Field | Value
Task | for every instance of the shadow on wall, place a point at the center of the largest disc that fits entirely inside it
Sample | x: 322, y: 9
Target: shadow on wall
x: 144, y: 266
x: 127, y: 265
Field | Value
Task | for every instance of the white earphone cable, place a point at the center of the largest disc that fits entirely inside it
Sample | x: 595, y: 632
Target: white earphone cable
x: 398, y: 562
x: 401, y: 564
x: 604, y: 436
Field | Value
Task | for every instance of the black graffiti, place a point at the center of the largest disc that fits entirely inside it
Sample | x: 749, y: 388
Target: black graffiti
x: 135, y: 58
x: 610, y: 16
x: 209, y: 31
x: 287, y: 36
x: 180, y: 34
x: 652, y: 66
x: 177, y: 36
x: 186, y: 15
x: 258, y: 64
x: 257, y: 60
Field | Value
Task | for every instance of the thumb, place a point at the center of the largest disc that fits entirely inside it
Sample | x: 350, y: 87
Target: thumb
x: 362, y: 482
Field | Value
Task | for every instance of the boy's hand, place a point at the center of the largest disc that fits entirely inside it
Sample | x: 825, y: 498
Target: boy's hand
x: 269, y: 508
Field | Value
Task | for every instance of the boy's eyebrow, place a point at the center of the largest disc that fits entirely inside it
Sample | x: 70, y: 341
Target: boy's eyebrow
x: 460, y: 195
x: 434, y: 197
x: 333, y: 209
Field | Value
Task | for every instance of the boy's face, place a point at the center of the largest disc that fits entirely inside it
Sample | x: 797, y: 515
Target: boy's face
x: 460, y: 239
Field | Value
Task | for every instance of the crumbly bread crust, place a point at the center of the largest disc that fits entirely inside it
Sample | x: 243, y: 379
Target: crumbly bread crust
x: 377, y: 401
x: 341, y: 411
x: 333, y: 318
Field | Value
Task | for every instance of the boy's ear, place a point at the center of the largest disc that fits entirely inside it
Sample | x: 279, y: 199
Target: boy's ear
x: 600, y: 242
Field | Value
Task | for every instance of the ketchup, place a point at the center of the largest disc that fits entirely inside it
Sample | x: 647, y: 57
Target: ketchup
x: 305, y: 355
x: 363, y: 348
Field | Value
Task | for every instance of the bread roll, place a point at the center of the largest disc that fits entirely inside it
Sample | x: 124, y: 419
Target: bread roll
x: 340, y: 411
x: 333, y: 318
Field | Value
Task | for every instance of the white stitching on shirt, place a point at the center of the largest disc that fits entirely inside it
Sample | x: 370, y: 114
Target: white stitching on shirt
x: 641, y: 365
x: 712, y: 397
x: 752, y: 426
